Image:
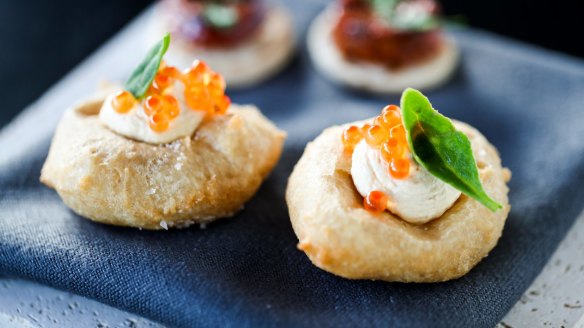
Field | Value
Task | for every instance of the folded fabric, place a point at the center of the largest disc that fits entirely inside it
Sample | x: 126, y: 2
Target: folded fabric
x: 246, y: 271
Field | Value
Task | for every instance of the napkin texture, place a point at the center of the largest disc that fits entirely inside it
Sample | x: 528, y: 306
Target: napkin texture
x: 246, y: 271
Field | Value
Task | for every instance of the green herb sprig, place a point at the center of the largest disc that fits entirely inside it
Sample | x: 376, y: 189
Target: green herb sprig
x: 222, y: 16
x: 442, y: 150
x: 418, y: 20
x: 144, y: 74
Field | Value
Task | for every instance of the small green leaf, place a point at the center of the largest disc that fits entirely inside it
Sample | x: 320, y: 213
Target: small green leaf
x: 384, y: 9
x: 442, y: 150
x: 410, y: 18
x: 220, y: 16
x: 417, y: 22
x: 144, y: 74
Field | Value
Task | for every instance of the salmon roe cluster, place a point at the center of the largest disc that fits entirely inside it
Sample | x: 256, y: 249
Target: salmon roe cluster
x: 204, y: 90
x: 388, y: 135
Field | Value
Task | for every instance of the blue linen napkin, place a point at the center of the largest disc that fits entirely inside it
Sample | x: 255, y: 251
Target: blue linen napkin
x: 246, y: 271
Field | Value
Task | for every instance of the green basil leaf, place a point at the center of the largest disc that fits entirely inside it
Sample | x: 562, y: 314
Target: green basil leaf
x: 144, y: 74
x: 417, y: 20
x: 220, y: 16
x: 384, y: 8
x: 442, y: 150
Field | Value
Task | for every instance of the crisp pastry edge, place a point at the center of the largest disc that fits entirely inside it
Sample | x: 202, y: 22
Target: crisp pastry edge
x: 341, y: 237
x: 111, y: 179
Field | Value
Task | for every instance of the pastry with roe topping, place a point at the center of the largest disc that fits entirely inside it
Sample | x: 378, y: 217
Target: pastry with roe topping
x: 383, y: 46
x: 406, y: 196
x: 168, y: 150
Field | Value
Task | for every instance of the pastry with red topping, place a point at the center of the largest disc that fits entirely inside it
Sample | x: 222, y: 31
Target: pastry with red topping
x: 246, y: 41
x: 167, y: 150
x: 383, y: 46
x: 406, y: 196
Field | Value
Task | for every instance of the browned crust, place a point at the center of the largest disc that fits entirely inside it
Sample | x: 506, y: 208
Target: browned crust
x: 115, y: 180
x: 339, y: 236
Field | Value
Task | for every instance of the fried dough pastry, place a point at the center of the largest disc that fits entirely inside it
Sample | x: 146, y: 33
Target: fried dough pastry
x: 343, y: 238
x: 111, y: 179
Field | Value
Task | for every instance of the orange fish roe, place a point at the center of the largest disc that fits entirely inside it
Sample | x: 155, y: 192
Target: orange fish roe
x: 399, y: 168
x: 364, y: 128
x: 123, y: 102
x: 376, y: 135
x: 171, y: 72
x: 152, y: 104
x: 391, y: 149
x: 159, y: 122
x: 398, y: 133
x: 161, y: 82
x: 388, y: 135
x: 160, y: 111
x: 351, y: 138
x: 376, y: 201
x: 204, y: 90
x: 390, y: 117
x: 173, y: 109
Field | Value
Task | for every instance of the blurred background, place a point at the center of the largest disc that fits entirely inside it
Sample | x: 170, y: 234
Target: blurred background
x: 42, y: 40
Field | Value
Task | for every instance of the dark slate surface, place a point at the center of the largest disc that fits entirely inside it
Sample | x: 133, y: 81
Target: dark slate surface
x: 45, y: 39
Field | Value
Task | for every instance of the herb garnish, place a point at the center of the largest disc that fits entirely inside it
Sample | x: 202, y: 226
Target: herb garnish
x: 442, y: 150
x: 144, y: 74
x: 408, y: 19
x: 220, y: 16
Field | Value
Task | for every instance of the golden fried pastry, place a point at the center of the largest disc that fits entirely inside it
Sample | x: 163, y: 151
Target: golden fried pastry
x: 342, y: 236
x: 112, y: 179
x: 168, y: 150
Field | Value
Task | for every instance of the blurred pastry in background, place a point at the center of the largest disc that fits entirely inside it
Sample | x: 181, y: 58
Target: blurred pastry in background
x: 167, y: 150
x: 247, y: 41
x: 383, y: 46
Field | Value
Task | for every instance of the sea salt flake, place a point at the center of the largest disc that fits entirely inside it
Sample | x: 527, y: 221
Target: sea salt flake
x: 175, y: 145
x: 164, y: 225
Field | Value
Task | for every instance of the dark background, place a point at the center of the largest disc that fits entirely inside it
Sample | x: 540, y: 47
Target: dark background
x: 41, y: 40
